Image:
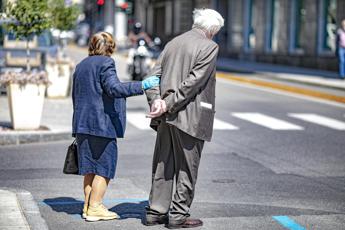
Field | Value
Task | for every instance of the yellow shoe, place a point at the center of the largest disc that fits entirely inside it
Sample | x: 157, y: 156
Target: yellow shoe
x: 84, y: 215
x: 100, y: 212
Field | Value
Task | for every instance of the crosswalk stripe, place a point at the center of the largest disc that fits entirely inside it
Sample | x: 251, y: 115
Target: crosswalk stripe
x: 222, y: 125
x: 267, y: 121
x: 319, y: 120
x: 139, y: 120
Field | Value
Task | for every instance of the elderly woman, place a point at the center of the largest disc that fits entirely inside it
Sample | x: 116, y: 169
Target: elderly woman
x: 99, y: 118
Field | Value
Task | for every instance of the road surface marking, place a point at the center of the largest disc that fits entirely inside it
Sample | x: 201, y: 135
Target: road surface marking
x: 288, y: 223
x: 280, y: 92
x: 319, y: 120
x: 138, y: 120
x: 267, y: 121
x: 221, y: 125
x: 293, y: 89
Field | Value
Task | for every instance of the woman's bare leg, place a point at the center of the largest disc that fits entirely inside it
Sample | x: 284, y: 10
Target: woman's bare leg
x: 99, y: 186
x: 88, y: 179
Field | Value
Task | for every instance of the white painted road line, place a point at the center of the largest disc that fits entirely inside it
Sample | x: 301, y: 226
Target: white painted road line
x: 267, y: 121
x: 279, y: 92
x: 138, y: 120
x: 319, y: 120
x: 221, y: 125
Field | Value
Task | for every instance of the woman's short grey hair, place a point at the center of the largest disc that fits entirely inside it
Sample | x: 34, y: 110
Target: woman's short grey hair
x: 208, y: 19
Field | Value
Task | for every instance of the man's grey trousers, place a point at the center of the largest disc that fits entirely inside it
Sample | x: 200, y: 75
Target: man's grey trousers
x: 176, y: 154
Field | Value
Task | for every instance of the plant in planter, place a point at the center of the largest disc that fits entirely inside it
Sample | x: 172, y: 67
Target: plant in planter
x: 63, y: 18
x: 26, y: 18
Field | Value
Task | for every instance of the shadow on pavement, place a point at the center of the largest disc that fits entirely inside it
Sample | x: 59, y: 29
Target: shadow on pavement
x: 67, y: 205
x: 72, y: 206
x: 130, y: 210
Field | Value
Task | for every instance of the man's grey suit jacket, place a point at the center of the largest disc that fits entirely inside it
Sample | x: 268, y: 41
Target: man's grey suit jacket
x: 187, y: 66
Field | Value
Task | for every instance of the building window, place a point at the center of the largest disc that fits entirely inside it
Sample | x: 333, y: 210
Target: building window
x: 249, y: 31
x: 273, y: 25
x: 327, y: 26
x: 222, y: 37
x: 298, y: 25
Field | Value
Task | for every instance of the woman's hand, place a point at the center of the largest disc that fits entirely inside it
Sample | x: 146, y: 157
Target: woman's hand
x: 150, y: 82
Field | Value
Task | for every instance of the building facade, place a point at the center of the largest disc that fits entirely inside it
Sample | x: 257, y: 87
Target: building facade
x: 289, y: 32
x: 166, y: 18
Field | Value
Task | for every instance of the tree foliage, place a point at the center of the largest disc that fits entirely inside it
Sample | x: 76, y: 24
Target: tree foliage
x: 27, y: 18
x: 63, y: 17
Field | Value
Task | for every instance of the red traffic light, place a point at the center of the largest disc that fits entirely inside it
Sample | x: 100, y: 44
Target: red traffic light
x: 124, y: 5
x: 100, y: 2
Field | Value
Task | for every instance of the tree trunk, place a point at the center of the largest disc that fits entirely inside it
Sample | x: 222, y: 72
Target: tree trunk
x: 28, y: 67
x: 62, y: 46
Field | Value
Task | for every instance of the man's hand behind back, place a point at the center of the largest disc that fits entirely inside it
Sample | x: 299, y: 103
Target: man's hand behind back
x: 158, y: 107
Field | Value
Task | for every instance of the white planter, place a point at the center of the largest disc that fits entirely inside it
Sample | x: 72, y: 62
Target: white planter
x: 26, y: 105
x: 59, y: 74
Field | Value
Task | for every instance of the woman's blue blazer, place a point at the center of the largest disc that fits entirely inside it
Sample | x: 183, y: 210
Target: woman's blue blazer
x: 99, y: 98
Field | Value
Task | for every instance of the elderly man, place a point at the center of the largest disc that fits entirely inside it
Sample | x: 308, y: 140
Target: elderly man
x: 183, y: 110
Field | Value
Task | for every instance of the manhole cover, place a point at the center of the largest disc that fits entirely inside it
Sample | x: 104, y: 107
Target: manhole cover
x: 224, y: 181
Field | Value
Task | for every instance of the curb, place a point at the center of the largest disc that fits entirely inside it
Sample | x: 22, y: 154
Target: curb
x: 273, y: 76
x: 30, y: 209
x: 22, y: 137
x: 276, y: 77
x: 283, y: 87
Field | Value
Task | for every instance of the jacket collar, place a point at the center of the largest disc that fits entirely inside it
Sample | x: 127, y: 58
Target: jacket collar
x: 199, y: 31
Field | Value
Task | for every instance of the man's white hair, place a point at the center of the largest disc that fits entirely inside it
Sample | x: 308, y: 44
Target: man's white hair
x: 208, y: 19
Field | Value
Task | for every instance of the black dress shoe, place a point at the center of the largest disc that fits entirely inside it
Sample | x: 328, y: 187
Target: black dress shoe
x: 188, y: 223
x: 155, y: 220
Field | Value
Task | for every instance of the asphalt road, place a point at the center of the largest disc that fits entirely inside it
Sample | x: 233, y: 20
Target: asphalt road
x: 274, y: 160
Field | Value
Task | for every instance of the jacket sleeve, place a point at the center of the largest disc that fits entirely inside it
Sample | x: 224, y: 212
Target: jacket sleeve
x: 112, y: 85
x: 154, y: 93
x: 195, y: 82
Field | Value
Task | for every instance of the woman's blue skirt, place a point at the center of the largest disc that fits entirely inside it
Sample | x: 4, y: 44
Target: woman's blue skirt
x: 97, y: 155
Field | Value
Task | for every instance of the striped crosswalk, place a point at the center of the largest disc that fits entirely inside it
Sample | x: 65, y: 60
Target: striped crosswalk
x: 222, y: 125
x: 320, y: 120
x: 139, y: 121
x: 267, y: 121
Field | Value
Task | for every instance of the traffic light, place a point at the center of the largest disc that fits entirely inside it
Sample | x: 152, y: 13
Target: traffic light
x: 100, y: 2
x: 126, y: 7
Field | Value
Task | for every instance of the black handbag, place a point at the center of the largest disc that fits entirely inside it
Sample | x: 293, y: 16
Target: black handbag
x: 71, y: 161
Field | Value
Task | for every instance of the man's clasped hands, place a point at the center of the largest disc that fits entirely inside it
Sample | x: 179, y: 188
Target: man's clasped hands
x: 158, y: 107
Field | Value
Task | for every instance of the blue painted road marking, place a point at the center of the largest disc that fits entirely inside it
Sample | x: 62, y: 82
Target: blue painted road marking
x: 288, y: 223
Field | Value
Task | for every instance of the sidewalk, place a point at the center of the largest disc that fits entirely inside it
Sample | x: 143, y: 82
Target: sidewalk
x: 282, y: 73
x: 19, y: 211
x: 11, y: 216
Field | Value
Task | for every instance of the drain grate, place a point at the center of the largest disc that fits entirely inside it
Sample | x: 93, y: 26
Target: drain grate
x: 224, y: 181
